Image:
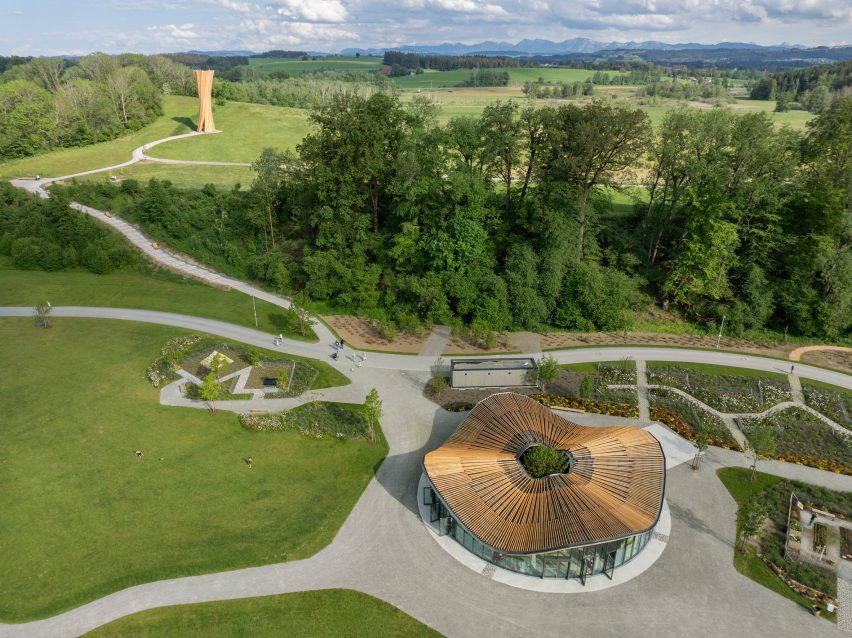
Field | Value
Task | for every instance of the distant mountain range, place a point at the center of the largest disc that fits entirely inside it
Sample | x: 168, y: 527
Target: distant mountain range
x: 548, y: 47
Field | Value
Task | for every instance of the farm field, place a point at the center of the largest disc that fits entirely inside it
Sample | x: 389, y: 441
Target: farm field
x: 83, y: 516
x: 517, y: 75
x: 335, y: 63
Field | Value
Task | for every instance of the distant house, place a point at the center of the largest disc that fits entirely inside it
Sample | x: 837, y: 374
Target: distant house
x: 679, y: 67
x: 385, y: 70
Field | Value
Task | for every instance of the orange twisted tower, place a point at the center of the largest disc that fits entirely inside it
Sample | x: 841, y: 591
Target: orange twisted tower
x: 204, y: 80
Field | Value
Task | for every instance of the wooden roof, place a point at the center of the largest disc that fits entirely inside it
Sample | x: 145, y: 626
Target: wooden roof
x: 614, y: 489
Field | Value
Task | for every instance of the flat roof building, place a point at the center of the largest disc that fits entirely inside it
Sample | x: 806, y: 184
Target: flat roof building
x: 493, y: 373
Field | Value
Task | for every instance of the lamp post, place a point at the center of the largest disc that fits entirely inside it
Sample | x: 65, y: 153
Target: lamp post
x: 721, y: 327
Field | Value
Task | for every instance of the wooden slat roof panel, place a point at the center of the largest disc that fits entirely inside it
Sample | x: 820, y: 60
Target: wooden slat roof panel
x: 615, y: 488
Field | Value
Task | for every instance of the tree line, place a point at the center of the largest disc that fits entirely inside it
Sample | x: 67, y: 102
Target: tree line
x: 505, y: 220
x: 448, y: 62
x: 52, y: 102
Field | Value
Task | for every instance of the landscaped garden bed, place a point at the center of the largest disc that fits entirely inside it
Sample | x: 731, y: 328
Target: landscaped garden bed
x: 587, y: 405
x: 689, y: 420
x: 802, y: 438
x: 832, y: 401
x: 727, y: 392
x: 764, y: 561
x: 190, y: 353
x: 317, y: 420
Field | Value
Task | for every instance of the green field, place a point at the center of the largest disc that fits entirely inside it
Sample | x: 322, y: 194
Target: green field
x: 154, y: 290
x: 709, y: 368
x: 83, y: 516
x: 246, y: 130
x: 327, y: 613
x: 443, y: 79
x: 182, y: 176
x: 333, y: 63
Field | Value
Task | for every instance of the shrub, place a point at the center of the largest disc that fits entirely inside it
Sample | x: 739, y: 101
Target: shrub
x: 543, y: 460
x: 436, y: 386
x: 315, y: 420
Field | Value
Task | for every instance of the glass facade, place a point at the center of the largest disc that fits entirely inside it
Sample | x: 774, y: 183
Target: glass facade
x: 576, y: 562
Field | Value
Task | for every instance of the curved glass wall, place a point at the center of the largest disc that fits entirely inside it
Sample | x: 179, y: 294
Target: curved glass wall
x: 576, y: 562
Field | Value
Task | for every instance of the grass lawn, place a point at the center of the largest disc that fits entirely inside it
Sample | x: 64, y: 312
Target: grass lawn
x: 246, y: 130
x: 83, y: 517
x: 151, y: 290
x: 708, y: 368
x: 182, y: 176
x: 327, y: 613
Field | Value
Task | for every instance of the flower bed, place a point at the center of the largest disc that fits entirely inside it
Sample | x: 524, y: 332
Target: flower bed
x: 623, y: 373
x: 837, y: 406
x: 162, y: 369
x: 316, y: 420
x: 803, y: 439
x: 674, y: 421
x: 726, y: 393
x: 587, y: 405
x: 691, y: 420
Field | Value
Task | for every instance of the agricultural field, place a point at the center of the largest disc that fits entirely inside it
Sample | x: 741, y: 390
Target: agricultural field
x: 517, y: 76
x: 88, y: 517
x: 333, y: 63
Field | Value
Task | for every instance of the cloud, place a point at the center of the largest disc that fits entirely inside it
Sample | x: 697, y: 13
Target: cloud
x: 312, y: 10
x: 172, y: 33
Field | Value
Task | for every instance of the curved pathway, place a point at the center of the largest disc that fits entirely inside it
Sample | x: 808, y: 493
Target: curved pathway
x: 389, y: 361
x: 139, y: 154
x: 796, y: 355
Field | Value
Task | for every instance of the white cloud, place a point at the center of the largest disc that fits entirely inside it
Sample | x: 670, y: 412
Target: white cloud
x: 312, y: 10
x: 172, y: 33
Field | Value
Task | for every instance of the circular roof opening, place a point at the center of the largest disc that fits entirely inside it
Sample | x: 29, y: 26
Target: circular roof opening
x: 540, y: 460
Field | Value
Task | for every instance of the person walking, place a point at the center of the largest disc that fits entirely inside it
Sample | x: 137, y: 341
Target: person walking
x: 792, y: 367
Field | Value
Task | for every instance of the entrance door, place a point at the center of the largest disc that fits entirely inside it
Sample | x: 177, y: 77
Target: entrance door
x: 609, y: 564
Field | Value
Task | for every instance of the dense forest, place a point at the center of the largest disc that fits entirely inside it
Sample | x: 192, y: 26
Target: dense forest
x: 49, y: 235
x: 813, y: 87
x: 504, y: 220
x: 52, y: 102
x: 415, y: 61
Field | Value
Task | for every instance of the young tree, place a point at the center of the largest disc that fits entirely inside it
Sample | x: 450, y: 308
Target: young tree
x: 217, y: 364
x: 42, y: 311
x: 269, y: 168
x: 761, y: 443
x: 211, y: 391
x: 548, y: 370
x: 750, y: 518
x: 300, y: 306
x: 702, y: 442
x: 373, y: 412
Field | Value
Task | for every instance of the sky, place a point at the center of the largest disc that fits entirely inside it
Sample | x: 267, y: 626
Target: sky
x: 54, y: 27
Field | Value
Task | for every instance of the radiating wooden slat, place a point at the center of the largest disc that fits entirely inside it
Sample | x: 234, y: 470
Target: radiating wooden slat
x: 615, y: 488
